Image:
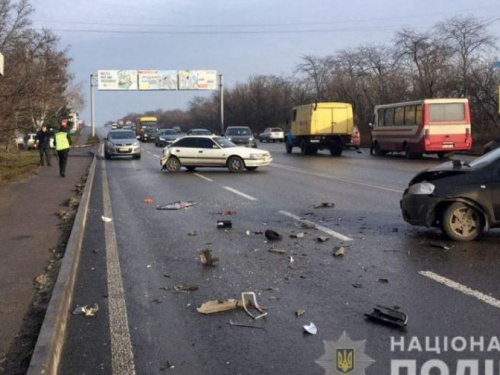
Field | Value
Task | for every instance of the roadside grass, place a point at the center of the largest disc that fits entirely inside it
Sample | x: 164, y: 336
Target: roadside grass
x: 19, y: 165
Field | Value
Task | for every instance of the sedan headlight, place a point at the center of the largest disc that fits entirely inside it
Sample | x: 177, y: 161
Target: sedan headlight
x: 421, y: 188
x: 257, y: 156
x: 135, y: 144
x: 251, y: 139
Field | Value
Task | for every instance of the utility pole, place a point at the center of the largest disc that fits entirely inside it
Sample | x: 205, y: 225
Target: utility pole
x: 221, y: 86
x: 92, y: 113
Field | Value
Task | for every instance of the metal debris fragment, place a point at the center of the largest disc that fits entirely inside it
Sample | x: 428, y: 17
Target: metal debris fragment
x: 297, y: 235
x: 106, y: 219
x: 243, y: 325
x: 322, y: 239
x: 300, y: 312
x: 179, y: 205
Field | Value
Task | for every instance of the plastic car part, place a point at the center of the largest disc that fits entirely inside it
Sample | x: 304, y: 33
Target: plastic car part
x: 179, y: 205
x: 250, y: 297
x: 224, y: 224
x: 386, y: 315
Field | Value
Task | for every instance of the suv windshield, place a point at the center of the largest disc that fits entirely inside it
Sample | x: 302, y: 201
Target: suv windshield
x: 121, y: 135
x: 238, y: 131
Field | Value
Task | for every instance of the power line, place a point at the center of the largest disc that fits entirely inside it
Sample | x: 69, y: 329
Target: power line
x: 264, y: 25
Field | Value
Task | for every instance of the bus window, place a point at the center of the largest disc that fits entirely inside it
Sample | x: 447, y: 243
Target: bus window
x: 399, y: 116
x: 389, y: 117
x: 418, y: 114
x: 410, y: 112
x: 446, y: 112
x: 380, y: 117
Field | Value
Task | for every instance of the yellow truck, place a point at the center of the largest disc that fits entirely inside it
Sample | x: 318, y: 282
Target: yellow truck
x: 144, y: 122
x: 320, y: 126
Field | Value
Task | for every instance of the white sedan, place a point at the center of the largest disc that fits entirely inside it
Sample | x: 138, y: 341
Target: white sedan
x: 212, y: 151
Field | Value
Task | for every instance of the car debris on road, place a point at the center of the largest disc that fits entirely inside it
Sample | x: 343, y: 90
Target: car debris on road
x: 310, y: 328
x: 179, y: 205
x: 87, y: 310
x: 224, y: 224
x: 272, y: 235
x: 338, y: 251
x: 325, y: 205
x: 388, y: 316
x: 207, y: 258
x: 247, y: 299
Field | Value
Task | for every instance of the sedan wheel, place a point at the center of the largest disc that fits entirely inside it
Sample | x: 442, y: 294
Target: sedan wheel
x: 235, y: 164
x: 173, y: 164
x: 462, y: 223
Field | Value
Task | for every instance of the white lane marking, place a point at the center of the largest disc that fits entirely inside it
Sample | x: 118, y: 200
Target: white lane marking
x: 156, y: 156
x: 203, y: 177
x: 240, y: 193
x: 320, y: 227
x: 461, y: 288
x: 122, y: 358
x: 347, y: 180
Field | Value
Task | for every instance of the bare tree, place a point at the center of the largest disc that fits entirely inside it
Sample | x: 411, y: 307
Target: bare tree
x: 466, y: 37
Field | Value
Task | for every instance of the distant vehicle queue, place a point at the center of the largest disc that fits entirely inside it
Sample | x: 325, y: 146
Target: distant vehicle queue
x: 428, y: 126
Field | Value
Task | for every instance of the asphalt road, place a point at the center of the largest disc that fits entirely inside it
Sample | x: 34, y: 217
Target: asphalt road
x: 159, y: 330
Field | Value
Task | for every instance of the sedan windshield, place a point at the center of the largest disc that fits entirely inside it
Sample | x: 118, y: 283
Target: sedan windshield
x: 121, y: 135
x: 238, y: 131
x: 224, y: 142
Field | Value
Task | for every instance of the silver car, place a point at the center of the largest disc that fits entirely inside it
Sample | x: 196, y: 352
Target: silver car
x: 122, y: 143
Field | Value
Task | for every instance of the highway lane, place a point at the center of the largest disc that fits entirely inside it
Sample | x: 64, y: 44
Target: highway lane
x: 156, y: 250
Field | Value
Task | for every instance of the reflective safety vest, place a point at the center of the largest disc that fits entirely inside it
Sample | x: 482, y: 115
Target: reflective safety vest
x: 62, y: 142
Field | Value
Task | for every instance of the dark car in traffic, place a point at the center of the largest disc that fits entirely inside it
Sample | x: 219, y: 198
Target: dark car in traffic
x: 241, y: 136
x: 164, y: 137
x: 461, y: 198
x: 148, y: 135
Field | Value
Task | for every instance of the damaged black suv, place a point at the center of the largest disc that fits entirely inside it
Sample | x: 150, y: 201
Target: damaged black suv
x: 461, y: 198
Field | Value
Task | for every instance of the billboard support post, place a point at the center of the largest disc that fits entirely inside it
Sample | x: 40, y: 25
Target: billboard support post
x: 92, y: 116
x: 221, y: 104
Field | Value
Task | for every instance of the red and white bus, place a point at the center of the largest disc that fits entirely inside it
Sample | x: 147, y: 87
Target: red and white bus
x: 430, y: 126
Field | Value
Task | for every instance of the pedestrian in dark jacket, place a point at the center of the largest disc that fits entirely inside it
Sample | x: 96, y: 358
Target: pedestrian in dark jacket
x: 62, y: 142
x: 43, y: 142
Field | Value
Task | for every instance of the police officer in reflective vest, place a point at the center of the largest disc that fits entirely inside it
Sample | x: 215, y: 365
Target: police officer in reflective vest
x: 62, y: 142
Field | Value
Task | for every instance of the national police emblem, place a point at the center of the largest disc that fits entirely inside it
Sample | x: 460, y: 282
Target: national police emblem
x: 345, y: 357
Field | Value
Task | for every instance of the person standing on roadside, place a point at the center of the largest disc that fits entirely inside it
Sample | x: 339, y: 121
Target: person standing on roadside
x: 62, y: 142
x: 43, y: 142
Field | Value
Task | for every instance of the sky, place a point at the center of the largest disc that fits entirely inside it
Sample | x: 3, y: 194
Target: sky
x: 237, y: 38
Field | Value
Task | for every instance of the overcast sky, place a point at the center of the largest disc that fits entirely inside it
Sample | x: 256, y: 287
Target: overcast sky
x: 237, y: 38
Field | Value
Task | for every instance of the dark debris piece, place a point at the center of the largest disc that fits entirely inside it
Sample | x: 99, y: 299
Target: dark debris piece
x: 388, y: 316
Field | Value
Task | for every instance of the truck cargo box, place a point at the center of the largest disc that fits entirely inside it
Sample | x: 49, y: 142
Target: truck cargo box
x: 322, y: 119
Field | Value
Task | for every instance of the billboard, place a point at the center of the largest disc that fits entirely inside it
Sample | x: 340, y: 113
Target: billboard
x: 117, y: 80
x: 197, y: 80
x: 157, y: 80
